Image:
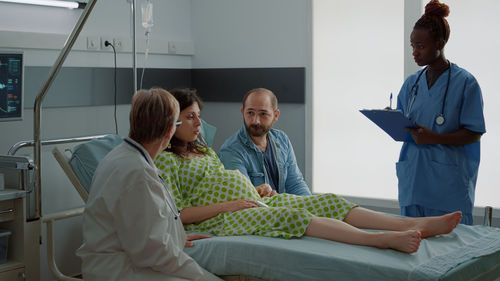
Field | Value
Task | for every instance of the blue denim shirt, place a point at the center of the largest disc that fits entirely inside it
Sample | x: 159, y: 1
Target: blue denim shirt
x: 239, y: 152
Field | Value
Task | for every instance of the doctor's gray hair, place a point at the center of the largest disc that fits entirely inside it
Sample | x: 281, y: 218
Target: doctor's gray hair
x: 153, y: 112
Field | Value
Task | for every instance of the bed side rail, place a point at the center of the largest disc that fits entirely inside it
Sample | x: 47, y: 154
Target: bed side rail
x: 49, y: 220
x: 21, y: 144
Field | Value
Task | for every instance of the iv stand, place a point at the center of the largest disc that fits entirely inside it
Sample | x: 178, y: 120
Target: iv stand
x: 133, y: 6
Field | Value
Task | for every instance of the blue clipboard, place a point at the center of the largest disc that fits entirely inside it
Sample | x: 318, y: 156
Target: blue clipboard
x: 392, y: 122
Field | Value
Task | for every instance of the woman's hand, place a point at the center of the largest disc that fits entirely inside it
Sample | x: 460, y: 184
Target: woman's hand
x: 194, y: 236
x: 422, y: 134
x: 197, y: 214
x: 265, y: 190
x: 236, y: 205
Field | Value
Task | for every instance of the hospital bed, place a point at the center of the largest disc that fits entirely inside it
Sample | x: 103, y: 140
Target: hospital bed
x: 468, y: 253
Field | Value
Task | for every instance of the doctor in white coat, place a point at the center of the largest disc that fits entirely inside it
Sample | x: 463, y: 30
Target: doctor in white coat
x: 131, y: 226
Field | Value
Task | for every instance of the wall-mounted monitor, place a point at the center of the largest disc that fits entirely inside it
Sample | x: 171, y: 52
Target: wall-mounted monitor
x: 11, y: 85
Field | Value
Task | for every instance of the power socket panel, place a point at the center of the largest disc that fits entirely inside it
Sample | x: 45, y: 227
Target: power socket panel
x: 118, y: 43
x: 93, y: 43
x: 103, y: 42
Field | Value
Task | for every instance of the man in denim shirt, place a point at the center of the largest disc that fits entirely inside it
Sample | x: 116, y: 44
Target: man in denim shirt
x: 265, y: 155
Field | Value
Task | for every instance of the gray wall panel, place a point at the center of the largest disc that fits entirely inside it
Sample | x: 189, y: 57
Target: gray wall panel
x: 94, y: 86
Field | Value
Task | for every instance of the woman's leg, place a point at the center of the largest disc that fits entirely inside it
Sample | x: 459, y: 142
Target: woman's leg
x: 335, y: 230
x: 326, y: 205
x: 427, y: 226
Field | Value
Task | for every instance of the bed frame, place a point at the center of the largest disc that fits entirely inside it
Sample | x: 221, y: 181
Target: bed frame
x: 239, y: 257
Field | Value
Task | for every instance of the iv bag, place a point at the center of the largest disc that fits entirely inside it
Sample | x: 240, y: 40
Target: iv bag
x: 147, y: 14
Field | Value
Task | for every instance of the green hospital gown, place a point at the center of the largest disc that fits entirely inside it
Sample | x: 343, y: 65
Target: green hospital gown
x: 202, y: 181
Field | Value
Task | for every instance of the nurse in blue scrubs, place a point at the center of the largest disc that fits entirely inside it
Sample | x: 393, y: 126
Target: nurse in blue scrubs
x: 437, y: 171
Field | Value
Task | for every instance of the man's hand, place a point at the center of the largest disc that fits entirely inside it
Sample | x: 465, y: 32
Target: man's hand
x: 194, y: 236
x: 265, y: 190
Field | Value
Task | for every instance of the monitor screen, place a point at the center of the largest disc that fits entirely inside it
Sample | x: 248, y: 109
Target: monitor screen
x: 11, y: 85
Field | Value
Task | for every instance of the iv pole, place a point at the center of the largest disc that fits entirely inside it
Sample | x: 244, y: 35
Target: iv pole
x: 133, y: 6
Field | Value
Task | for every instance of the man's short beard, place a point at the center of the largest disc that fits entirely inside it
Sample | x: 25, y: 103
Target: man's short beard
x: 257, y: 130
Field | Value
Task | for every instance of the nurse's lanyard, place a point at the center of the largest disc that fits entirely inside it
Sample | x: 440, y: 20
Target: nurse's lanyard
x: 176, y: 213
x: 414, y: 89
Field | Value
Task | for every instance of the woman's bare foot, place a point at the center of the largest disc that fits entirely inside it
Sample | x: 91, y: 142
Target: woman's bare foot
x: 432, y: 226
x: 404, y: 241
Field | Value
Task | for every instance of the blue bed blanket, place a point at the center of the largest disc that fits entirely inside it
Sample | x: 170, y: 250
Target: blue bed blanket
x: 466, y: 253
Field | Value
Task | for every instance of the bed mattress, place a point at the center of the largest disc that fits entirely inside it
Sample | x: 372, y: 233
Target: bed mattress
x: 467, y: 253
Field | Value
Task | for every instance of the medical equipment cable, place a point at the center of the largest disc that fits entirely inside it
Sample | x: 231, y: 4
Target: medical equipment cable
x: 147, y: 23
x: 107, y: 43
x: 176, y: 214
x: 146, y: 55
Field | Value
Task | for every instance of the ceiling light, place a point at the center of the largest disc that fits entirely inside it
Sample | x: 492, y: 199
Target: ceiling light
x: 52, y: 3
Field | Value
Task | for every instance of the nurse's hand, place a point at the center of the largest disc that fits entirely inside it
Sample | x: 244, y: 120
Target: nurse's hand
x: 265, y: 190
x: 236, y: 205
x: 194, y: 236
x: 422, y: 134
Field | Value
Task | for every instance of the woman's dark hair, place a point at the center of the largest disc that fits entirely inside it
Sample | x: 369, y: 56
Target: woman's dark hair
x: 186, y: 97
x: 434, y: 20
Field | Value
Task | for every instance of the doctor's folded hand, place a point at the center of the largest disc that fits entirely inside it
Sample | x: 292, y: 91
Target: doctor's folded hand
x: 194, y: 236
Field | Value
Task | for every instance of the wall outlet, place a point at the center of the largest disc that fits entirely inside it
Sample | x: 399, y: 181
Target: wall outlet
x: 118, y: 43
x: 180, y: 48
x: 103, y: 43
x: 172, y: 47
x: 93, y: 42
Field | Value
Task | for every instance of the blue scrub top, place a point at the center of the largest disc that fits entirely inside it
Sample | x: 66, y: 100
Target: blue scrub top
x: 441, y: 177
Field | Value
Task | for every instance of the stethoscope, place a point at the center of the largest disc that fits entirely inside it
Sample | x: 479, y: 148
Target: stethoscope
x: 173, y: 209
x: 414, y: 89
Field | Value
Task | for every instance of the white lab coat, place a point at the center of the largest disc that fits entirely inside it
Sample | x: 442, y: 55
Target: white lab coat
x: 129, y: 230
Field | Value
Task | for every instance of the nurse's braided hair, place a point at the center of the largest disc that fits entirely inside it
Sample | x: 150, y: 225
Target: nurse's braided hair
x: 434, y: 20
x: 186, y: 97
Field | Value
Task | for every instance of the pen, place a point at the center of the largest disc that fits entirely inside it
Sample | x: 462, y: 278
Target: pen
x: 390, y: 101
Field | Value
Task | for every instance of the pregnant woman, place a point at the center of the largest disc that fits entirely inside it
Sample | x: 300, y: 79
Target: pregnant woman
x: 224, y: 202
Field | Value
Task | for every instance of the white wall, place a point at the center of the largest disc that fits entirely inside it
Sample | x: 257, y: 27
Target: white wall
x: 259, y: 33
x: 358, y: 62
